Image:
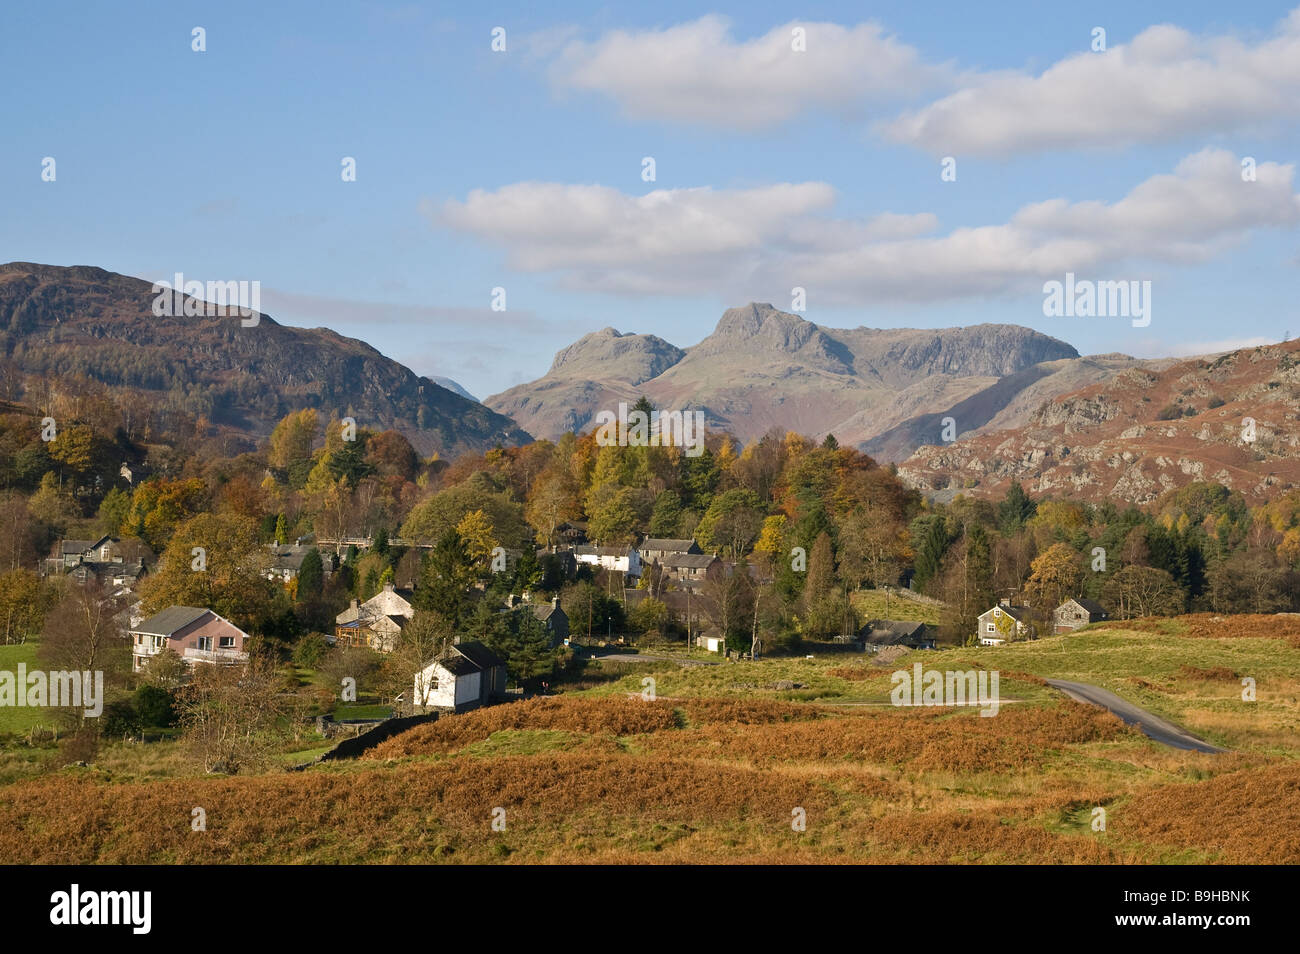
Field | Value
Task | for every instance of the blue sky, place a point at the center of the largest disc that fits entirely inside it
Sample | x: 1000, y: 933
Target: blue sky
x: 774, y: 167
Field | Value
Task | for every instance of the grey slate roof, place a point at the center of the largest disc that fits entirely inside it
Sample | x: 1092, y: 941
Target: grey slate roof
x: 479, y: 654
x: 1092, y: 606
x: 663, y: 543
x: 688, y: 561
x: 891, y: 632
x: 170, y: 620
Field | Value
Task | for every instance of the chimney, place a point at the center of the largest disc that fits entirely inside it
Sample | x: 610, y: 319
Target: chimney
x: 354, y: 604
x: 1005, y: 601
x: 555, y: 601
x: 388, y: 587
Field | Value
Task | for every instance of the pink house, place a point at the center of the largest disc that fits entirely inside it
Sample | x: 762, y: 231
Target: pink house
x: 193, y: 633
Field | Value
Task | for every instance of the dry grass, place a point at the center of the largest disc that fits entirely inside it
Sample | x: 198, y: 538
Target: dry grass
x: 921, y: 739
x: 606, y: 715
x: 1244, y: 817
x: 1216, y: 626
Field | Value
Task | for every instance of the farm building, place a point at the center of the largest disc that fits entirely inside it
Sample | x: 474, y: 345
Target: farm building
x: 1076, y: 613
x: 466, y: 676
x: 895, y: 632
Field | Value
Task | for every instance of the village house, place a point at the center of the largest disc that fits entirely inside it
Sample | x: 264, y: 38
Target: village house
x: 878, y: 633
x: 196, y: 634
x: 549, y: 614
x: 1004, y: 622
x: 69, y: 553
x: 655, y: 549
x: 108, y: 561
x: 106, y: 551
x: 467, y: 675
x: 619, y: 559
x: 1076, y: 613
x: 562, y: 559
x: 691, y: 569
x: 286, y: 561
x: 571, y: 534
x: 377, y: 622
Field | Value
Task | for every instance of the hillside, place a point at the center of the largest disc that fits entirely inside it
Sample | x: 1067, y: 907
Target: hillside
x: 1140, y: 433
x: 83, y: 321
x: 762, y: 368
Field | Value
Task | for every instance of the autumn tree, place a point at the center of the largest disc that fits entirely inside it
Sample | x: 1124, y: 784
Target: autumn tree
x: 551, y: 502
x: 213, y: 561
x: 292, y: 439
x: 1054, y: 575
x: 23, y: 603
x: 475, y: 530
x: 732, y: 521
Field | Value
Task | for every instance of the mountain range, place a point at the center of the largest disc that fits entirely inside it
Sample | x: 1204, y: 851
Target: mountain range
x: 884, y: 390
x: 960, y: 410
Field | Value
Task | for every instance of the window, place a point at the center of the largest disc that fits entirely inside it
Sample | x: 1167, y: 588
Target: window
x: 205, y: 644
x: 226, y: 642
x: 992, y: 628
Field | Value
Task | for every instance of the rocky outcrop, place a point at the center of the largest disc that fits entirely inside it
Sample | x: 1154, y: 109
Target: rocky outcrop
x: 1232, y: 419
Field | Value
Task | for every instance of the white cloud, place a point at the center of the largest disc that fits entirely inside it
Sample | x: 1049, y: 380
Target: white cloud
x: 1165, y: 85
x: 697, y: 72
x: 760, y: 242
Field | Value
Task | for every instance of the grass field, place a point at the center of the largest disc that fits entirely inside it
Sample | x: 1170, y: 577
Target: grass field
x: 19, y: 720
x: 876, y: 604
x: 724, y: 764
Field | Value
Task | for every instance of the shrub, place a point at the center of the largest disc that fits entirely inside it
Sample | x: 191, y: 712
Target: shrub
x: 120, y: 719
x: 154, y: 707
x: 310, y: 651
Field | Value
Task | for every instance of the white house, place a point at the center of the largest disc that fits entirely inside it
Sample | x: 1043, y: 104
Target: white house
x: 618, y: 559
x: 1004, y: 622
x: 466, y: 676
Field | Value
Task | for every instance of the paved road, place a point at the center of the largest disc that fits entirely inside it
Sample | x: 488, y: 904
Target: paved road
x: 1151, y: 725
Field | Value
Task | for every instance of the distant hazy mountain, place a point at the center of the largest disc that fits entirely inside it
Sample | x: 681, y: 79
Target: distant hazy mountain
x: 87, y: 321
x: 1232, y: 419
x: 883, y: 389
x: 452, y: 386
x: 595, y: 372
